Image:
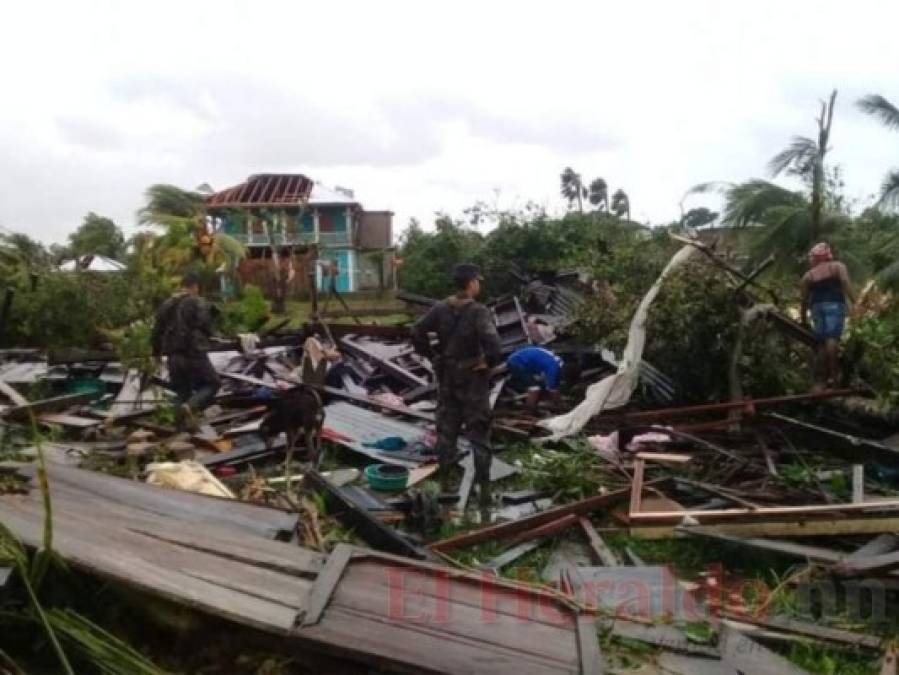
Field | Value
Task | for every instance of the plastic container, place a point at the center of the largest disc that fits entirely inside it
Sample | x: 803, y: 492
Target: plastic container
x: 387, y: 477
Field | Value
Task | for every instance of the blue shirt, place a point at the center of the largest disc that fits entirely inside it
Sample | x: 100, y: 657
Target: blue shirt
x: 534, y: 362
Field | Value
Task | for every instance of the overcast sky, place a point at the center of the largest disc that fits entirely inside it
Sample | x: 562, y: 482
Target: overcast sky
x: 425, y: 106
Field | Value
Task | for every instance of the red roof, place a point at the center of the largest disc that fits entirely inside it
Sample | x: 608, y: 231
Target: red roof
x: 265, y: 189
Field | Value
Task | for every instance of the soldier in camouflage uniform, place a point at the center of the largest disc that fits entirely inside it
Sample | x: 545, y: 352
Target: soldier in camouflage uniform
x: 181, y: 333
x: 468, y: 346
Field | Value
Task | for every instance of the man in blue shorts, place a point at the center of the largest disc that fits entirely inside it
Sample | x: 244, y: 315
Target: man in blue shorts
x: 535, y: 370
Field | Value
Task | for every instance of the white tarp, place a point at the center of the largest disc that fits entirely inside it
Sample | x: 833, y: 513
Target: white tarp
x: 616, y: 389
x: 92, y: 263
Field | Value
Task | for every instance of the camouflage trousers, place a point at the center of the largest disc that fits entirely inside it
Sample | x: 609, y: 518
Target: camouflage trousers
x: 463, y: 402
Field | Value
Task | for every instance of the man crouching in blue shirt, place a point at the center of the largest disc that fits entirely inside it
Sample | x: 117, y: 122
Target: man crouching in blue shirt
x: 535, y: 370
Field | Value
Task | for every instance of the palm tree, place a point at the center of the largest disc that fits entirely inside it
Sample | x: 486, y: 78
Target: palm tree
x: 573, y: 188
x: 804, y: 157
x: 879, y: 107
x: 168, y: 204
x: 598, y: 193
x: 182, y: 215
x: 699, y: 217
x: 621, y: 205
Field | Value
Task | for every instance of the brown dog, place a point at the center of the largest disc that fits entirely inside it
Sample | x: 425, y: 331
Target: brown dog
x: 295, y: 412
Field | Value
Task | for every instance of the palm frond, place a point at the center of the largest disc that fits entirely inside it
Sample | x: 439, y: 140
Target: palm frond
x: 749, y: 202
x: 719, y: 186
x: 889, y: 190
x: 598, y: 192
x: 167, y: 201
x: 879, y: 107
x: 799, y: 156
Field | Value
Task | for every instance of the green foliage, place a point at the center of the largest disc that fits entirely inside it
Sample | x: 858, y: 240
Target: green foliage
x: 876, y: 341
x: 168, y: 205
x: 70, y: 310
x: 97, y: 235
x: 134, y: 347
x: 429, y: 257
x: 245, y: 315
x: 566, y: 475
x: 822, y: 661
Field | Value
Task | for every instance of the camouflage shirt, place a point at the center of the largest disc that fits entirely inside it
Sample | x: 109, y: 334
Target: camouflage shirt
x: 465, y: 331
x: 183, y: 325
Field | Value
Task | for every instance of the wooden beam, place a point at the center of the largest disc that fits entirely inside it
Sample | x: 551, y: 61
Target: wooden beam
x: 546, y: 530
x: 816, y: 554
x: 664, y: 457
x: 22, y: 412
x: 637, y: 486
x: 507, y: 530
x: 858, y: 483
x: 15, y: 397
x: 763, y: 513
x: 325, y: 583
x: 601, y: 550
x: 588, y: 646
x: 370, y: 529
x: 809, y: 528
x: 751, y: 658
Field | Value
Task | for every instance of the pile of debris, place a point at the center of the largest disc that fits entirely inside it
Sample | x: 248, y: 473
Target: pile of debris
x: 789, y: 477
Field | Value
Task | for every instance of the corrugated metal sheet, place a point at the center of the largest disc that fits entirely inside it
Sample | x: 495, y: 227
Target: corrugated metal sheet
x: 361, y: 426
x: 265, y: 189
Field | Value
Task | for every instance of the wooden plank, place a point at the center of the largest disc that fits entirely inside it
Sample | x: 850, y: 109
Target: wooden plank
x: 882, y: 543
x: 424, y: 647
x: 21, y: 412
x: 809, y: 528
x: 664, y: 457
x: 874, y: 564
x: 660, y: 635
x: 678, y: 664
x: 73, y: 421
x: 14, y: 397
x: 762, y: 513
x: 588, y: 646
x: 506, y: 530
x: 368, y: 588
x: 325, y: 584
x: 546, y: 530
x: 858, y: 483
x: 374, y: 532
x: 719, y: 492
x: 637, y: 487
x: 601, y: 550
x: 238, y: 592
x: 172, y: 504
x: 751, y: 658
x: 816, y: 554
x: 510, y: 555
x: 814, y: 630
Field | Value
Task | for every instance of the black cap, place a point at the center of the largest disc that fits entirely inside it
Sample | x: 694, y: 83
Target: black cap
x: 190, y: 278
x: 464, y: 273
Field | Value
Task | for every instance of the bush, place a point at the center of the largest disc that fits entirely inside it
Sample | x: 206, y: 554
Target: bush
x: 67, y: 310
x: 245, y: 315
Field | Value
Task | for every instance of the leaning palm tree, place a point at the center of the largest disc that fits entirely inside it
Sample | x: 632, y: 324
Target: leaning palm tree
x: 598, y: 193
x: 621, y: 205
x: 888, y: 114
x: 804, y: 157
x: 573, y: 188
x: 168, y: 204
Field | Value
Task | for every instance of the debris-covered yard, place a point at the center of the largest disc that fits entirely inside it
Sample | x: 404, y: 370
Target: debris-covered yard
x: 633, y: 525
